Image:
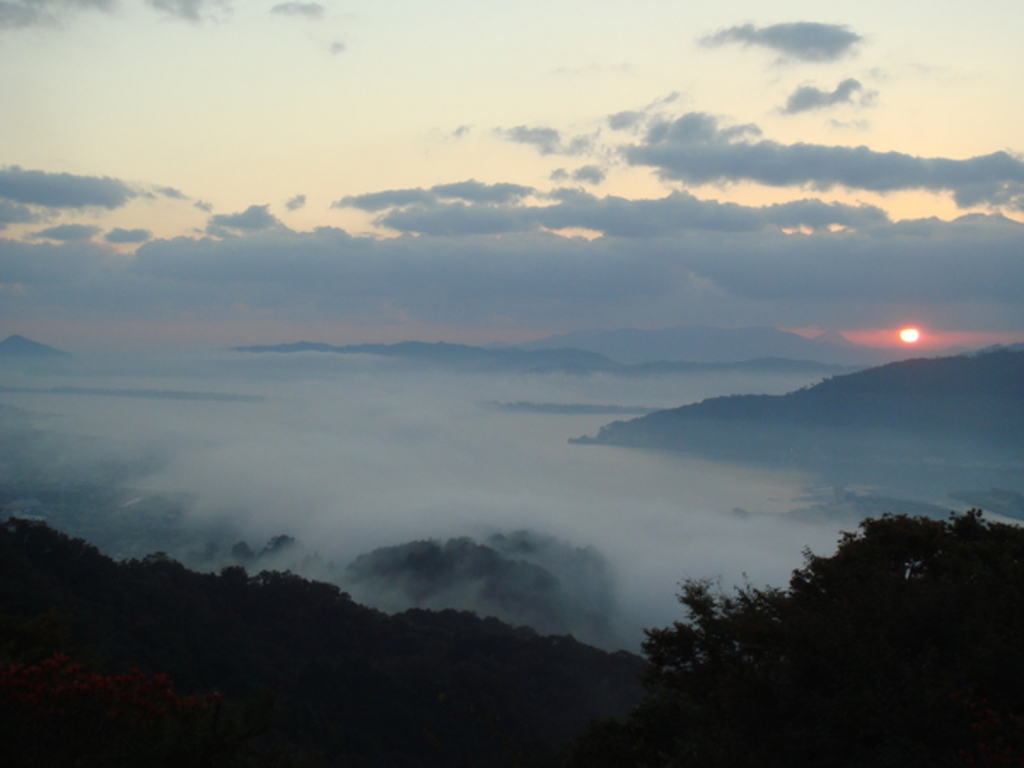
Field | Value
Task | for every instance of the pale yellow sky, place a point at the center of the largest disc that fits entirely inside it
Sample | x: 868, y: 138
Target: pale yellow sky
x: 245, y: 106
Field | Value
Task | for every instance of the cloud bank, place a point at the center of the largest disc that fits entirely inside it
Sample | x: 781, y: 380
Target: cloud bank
x: 696, y: 149
x: 665, y: 262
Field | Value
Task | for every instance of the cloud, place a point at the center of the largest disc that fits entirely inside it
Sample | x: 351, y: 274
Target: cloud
x: 547, y: 141
x: 696, y: 150
x: 47, y: 273
x: 378, y: 201
x: 736, y: 266
x: 337, y: 47
x: 620, y: 217
x: 306, y: 10
x: 459, y: 219
x: 808, y: 98
x: 590, y: 174
x: 634, y: 118
x: 470, y: 190
x: 477, y: 192
x: 190, y: 10
x: 802, y: 40
x: 253, y: 219
x: 626, y: 119
x: 172, y: 193
x: 119, y: 235
x: 13, y: 213
x: 15, y: 14
x: 68, y: 232
x: 62, y: 190
x: 295, y: 203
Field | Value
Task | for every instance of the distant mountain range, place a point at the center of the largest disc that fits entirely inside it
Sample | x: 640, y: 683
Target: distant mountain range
x: 19, y: 348
x: 704, y: 344
x: 561, y: 359
x: 973, y: 402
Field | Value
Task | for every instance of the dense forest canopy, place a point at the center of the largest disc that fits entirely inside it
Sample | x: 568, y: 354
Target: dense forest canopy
x: 354, y: 685
x: 905, y: 648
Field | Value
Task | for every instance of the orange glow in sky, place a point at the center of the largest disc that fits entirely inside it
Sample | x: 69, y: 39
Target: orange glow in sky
x: 931, y: 338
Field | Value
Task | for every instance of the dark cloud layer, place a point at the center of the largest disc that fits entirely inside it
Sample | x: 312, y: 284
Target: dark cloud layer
x: 808, y: 98
x: 696, y: 149
x: 62, y: 190
x: 802, y: 40
x: 612, y: 216
x: 725, y: 264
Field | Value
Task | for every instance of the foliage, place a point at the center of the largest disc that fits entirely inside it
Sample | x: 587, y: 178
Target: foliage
x: 56, y: 713
x: 359, y: 687
x: 862, y: 661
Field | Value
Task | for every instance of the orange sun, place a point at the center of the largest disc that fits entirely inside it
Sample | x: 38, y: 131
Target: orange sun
x: 910, y: 335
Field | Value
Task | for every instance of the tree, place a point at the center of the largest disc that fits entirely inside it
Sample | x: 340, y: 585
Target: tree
x: 883, y: 654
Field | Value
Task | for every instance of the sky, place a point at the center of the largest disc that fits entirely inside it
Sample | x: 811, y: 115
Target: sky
x: 203, y: 173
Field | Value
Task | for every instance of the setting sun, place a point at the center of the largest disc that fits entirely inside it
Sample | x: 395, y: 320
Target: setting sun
x: 910, y: 335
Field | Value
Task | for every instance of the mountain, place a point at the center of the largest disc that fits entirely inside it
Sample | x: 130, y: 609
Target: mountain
x: 951, y: 405
x: 460, y: 356
x: 360, y: 687
x: 19, y: 348
x: 697, y: 343
x: 555, y: 360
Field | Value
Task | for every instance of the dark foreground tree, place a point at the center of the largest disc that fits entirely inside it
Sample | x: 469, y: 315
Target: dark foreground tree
x: 905, y: 648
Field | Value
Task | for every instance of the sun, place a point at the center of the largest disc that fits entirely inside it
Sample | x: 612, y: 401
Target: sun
x: 910, y: 335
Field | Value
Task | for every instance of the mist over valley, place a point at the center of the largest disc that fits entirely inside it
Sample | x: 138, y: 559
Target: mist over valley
x: 400, y: 483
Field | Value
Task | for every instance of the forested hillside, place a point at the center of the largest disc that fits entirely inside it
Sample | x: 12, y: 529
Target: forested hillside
x: 905, y: 648
x: 354, y: 685
x: 953, y: 399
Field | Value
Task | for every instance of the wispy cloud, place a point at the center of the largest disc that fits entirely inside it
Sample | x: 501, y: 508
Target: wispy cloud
x: 547, y: 141
x: 15, y: 14
x: 303, y: 10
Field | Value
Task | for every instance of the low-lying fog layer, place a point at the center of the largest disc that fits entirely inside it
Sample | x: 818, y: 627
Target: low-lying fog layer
x: 349, y: 454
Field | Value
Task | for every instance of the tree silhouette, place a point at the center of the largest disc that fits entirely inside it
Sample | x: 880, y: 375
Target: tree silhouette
x: 904, y: 648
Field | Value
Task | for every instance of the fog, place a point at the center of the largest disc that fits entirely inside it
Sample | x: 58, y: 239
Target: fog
x: 349, y: 454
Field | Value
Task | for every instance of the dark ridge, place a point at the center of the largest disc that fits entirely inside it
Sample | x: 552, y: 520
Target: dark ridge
x: 156, y: 394
x: 563, y: 359
x: 978, y: 398
x: 362, y: 688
